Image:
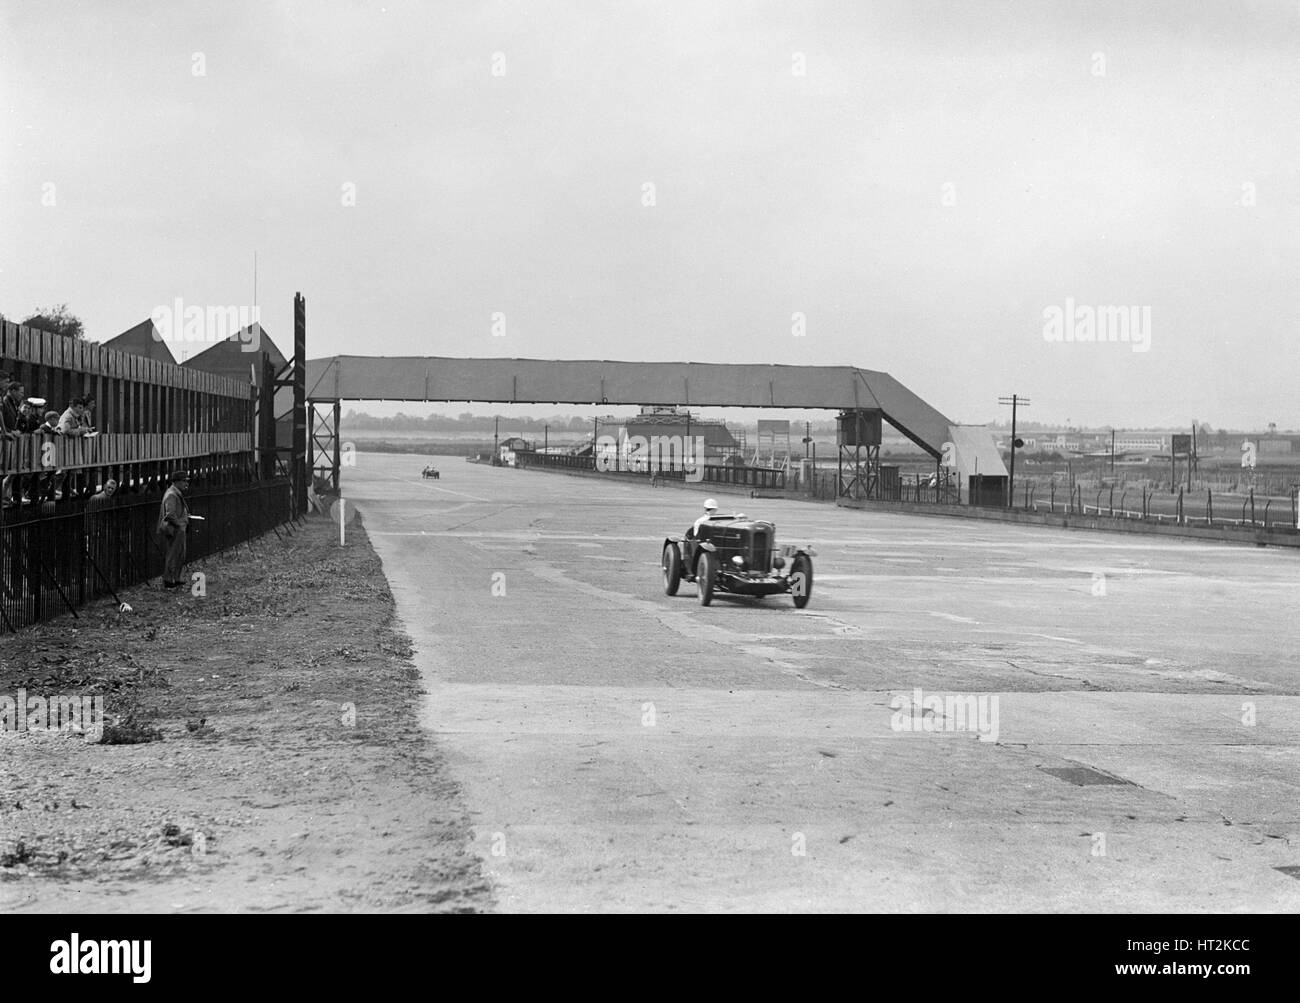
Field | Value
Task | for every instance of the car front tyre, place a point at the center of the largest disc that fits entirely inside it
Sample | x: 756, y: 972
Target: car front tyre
x: 705, y: 574
x: 672, y: 569
x: 801, y: 580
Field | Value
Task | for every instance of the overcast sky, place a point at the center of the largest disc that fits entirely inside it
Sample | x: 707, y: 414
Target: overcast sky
x: 920, y: 181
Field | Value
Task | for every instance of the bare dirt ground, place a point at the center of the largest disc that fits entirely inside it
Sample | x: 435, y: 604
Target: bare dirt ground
x: 282, y: 767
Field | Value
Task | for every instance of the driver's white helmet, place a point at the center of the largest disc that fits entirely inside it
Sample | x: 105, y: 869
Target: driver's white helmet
x: 710, y: 504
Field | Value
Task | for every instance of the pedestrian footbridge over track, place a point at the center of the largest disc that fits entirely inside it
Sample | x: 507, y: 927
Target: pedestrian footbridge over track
x: 689, y: 384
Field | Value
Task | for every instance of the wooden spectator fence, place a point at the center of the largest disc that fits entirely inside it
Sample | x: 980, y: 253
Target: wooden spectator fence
x: 151, y: 417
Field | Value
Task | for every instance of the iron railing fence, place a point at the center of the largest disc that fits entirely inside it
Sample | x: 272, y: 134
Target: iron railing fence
x: 52, y: 563
x: 1120, y: 501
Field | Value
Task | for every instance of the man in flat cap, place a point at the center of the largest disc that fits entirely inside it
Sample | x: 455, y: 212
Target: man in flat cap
x: 173, y: 521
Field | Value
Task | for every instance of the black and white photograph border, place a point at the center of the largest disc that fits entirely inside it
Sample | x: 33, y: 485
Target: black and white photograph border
x: 654, y: 457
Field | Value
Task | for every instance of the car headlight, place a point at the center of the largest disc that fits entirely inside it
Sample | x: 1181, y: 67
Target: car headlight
x: 778, y: 562
x: 738, y: 561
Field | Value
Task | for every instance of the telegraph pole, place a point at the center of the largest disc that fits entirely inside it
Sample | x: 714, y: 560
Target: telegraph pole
x: 1016, y: 401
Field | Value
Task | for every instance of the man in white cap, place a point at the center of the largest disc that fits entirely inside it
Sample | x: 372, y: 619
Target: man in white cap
x: 710, y: 507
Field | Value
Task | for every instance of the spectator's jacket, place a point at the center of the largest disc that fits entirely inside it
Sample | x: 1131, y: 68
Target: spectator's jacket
x: 175, y: 512
x: 98, y: 501
x: 70, y: 424
x: 11, y: 416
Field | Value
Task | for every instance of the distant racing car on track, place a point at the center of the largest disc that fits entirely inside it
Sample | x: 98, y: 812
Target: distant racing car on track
x: 736, y: 555
x: 430, y: 472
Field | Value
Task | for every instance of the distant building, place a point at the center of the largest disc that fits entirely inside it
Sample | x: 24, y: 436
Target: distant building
x: 1142, y: 443
x: 240, y: 357
x: 143, y: 339
x: 720, y: 444
x: 508, y: 450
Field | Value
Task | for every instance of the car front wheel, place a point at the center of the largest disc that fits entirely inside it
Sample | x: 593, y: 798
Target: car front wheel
x: 801, y: 580
x: 705, y: 573
x: 672, y: 569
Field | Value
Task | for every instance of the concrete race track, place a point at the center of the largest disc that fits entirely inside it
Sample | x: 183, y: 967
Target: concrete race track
x: 623, y: 750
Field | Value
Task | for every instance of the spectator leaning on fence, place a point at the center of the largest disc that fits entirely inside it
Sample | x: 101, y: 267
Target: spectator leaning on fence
x: 70, y: 424
x: 28, y: 419
x: 51, y: 482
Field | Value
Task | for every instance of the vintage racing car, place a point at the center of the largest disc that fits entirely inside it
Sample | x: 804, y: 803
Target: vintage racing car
x: 740, y: 556
x: 430, y: 472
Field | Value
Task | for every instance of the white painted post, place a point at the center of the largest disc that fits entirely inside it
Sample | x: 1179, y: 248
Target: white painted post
x: 343, y: 518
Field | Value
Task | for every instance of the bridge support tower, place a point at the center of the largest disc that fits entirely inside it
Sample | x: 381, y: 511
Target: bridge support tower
x: 859, y: 453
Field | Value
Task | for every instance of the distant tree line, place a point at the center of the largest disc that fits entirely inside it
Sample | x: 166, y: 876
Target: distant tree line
x: 56, y: 319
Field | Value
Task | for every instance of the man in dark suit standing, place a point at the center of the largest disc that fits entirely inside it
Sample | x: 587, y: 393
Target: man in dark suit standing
x: 173, y: 521
x: 10, y: 430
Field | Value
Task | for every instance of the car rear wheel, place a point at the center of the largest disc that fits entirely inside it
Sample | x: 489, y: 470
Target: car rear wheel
x: 705, y: 574
x: 801, y: 580
x: 672, y: 569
